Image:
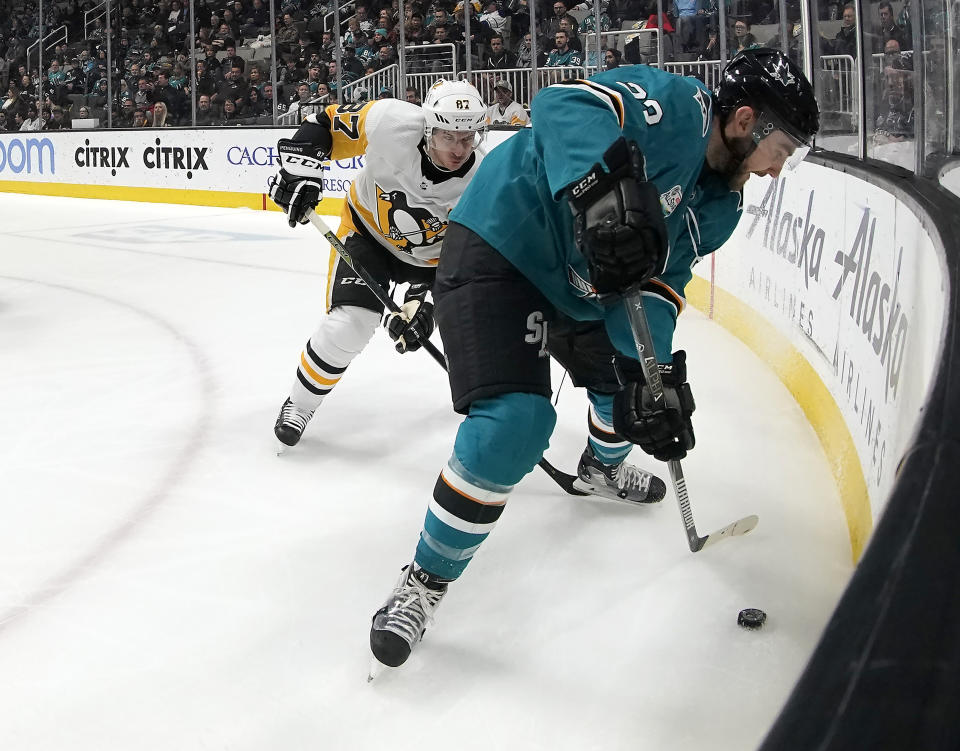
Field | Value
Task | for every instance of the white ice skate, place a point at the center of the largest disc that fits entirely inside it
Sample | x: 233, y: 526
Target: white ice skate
x: 291, y: 423
x: 399, y: 625
x: 619, y: 482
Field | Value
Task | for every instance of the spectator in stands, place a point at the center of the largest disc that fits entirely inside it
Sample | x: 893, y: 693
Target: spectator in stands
x: 499, y: 57
x: 350, y: 62
x: 139, y: 119
x: 4, y: 125
x: 412, y: 95
x: 690, y: 26
x: 894, y: 58
x: 291, y: 74
x: 589, y: 23
x: 385, y: 58
x: 414, y: 31
x: 493, y: 19
x: 304, y: 51
x: 287, y: 35
x: 442, y: 20
x: 353, y: 33
x: 569, y: 24
x: 83, y: 112
x: 742, y: 36
x: 231, y: 115
x: 888, y: 28
x: 562, y: 55
x: 205, y: 113
x: 171, y: 97
x: 504, y: 110
x: 611, y: 59
x: 143, y: 96
x: 550, y: 25
x: 385, y: 93
x: 33, y: 121
x: 301, y: 98
x: 206, y: 83
x: 257, y: 20
x: 322, y: 94
x: 524, y: 53
x: 255, y: 78
x: 896, y: 121
x: 363, y: 19
x: 231, y: 58
x: 234, y: 87
x: 55, y: 74
x: 160, y: 115
x: 124, y: 117
x: 711, y: 50
x: 58, y: 120
x: 232, y: 24
x: 845, y: 42
x: 315, y: 75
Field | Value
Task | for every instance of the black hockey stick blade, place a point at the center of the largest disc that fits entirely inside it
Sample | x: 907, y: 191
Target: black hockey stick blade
x: 562, y: 479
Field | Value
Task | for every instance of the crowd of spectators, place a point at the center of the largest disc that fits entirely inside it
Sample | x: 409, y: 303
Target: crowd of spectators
x: 154, y: 84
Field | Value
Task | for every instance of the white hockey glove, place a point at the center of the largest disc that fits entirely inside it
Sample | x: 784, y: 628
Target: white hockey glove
x: 412, y: 325
x: 298, y: 185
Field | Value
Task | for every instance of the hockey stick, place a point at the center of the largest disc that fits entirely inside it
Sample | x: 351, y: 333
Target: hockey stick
x: 562, y: 479
x: 643, y: 339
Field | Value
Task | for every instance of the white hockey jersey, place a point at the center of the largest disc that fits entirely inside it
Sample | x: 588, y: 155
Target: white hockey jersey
x: 399, y: 196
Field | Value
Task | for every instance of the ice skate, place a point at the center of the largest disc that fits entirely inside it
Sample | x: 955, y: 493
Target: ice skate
x: 400, y: 623
x: 291, y: 423
x: 619, y: 482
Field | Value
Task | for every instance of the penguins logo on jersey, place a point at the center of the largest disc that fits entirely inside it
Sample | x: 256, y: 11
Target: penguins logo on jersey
x: 406, y: 227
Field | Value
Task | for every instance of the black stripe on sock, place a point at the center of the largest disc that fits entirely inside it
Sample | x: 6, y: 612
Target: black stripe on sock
x: 465, y: 508
x: 310, y: 387
x: 321, y: 364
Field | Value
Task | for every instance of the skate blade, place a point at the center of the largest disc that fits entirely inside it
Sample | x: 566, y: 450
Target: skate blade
x: 604, y: 495
x: 376, y: 668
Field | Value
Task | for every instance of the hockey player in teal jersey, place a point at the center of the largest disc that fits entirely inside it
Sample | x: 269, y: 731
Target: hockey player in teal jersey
x: 559, y: 222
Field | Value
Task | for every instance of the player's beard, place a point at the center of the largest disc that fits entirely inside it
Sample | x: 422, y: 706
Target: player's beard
x: 731, y: 161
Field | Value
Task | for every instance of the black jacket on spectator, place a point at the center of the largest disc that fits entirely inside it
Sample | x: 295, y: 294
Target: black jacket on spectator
x: 505, y: 60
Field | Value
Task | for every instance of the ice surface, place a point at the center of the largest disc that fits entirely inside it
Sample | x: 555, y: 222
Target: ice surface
x: 168, y: 582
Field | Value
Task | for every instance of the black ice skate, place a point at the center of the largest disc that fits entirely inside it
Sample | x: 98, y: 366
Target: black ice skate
x: 619, y: 482
x: 291, y: 423
x: 400, y: 623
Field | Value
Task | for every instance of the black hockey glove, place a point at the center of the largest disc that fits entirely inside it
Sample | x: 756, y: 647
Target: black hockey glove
x: 618, y: 222
x: 664, y: 429
x: 413, y: 325
x: 298, y: 185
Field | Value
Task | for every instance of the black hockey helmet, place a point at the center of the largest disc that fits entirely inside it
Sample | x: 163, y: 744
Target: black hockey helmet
x: 768, y: 81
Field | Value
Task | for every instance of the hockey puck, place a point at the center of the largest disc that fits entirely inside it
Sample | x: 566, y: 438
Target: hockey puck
x: 751, y: 618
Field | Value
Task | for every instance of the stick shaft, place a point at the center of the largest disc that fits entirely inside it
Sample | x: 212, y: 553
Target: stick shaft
x: 372, y: 284
x: 643, y: 339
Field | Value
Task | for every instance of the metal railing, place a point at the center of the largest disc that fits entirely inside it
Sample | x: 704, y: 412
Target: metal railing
x: 58, y: 36
x: 706, y: 71
x: 328, y: 18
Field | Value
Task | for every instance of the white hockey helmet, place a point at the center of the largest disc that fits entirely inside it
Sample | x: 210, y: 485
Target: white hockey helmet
x: 453, y: 105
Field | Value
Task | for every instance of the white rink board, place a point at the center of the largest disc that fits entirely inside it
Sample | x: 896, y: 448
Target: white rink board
x: 222, y: 159
x: 850, y: 276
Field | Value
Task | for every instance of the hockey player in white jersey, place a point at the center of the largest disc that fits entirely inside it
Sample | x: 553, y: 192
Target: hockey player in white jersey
x: 417, y: 162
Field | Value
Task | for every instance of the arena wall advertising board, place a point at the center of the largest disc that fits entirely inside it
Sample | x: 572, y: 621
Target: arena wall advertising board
x: 216, y: 166
x: 851, y: 281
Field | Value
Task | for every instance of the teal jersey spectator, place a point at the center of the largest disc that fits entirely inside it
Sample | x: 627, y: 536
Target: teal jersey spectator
x: 670, y: 117
x: 589, y: 24
x: 558, y: 59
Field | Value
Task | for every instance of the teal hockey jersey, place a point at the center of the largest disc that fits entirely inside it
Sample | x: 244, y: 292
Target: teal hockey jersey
x: 516, y: 199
